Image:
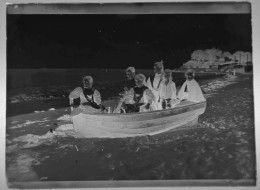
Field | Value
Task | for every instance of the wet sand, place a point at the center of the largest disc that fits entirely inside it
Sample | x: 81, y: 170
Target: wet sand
x: 222, y: 147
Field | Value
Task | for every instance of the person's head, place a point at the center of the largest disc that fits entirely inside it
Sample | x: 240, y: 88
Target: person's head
x: 190, y: 74
x: 140, y: 80
x: 158, y: 67
x: 130, y: 72
x: 87, y: 81
x: 167, y: 74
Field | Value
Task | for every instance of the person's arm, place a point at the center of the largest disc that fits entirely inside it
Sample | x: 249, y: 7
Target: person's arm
x: 160, y: 93
x: 74, y: 94
x: 181, y: 91
x: 97, y: 97
x: 124, y: 84
x: 173, y: 90
x: 148, y: 83
x: 160, y: 81
x: 150, y: 98
x: 129, y: 97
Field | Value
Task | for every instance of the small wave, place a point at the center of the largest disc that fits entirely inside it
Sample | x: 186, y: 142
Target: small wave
x: 11, y: 148
x: 28, y: 122
x: 39, y: 111
x: 29, y: 97
x: 20, y: 169
x: 65, y: 117
x: 217, y: 84
x: 31, y: 140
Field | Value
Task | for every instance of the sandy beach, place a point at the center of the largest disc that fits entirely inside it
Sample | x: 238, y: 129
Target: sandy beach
x: 41, y: 145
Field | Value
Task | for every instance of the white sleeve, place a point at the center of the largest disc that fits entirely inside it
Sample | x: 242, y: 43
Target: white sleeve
x: 149, y: 96
x: 181, y: 91
x: 173, y: 91
x: 97, y: 97
x: 148, y: 83
x: 75, y: 93
x: 129, y: 97
x: 160, y: 91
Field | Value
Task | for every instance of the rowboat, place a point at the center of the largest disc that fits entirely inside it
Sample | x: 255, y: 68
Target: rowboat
x: 121, y: 125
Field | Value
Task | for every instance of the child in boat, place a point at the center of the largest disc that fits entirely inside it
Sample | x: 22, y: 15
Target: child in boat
x: 190, y: 89
x: 167, y: 91
x: 154, y: 81
x: 90, y: 99
x: 140, y: 98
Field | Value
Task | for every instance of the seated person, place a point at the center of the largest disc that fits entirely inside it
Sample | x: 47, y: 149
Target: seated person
x: 167, y: 90
x: 140, y: 98
x: 129, y: 82
x: 190, y: 89
x: 90, y: 99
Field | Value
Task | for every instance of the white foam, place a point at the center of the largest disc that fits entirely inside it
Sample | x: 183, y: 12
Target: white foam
x: 65, y: 117
x: 39, y: 111
x: 28, y: 122
x: 217, y: 84
x: 51, y: 109
x: 15, y: 101
x: 32, y: 140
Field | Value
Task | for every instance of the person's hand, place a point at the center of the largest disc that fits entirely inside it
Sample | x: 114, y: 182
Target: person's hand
x: 147, y: 106
x: 73, y: 105
x: 162, y: 75
x: 102, y: 108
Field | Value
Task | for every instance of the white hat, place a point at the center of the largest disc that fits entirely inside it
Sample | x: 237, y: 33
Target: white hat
x: 140, y: 77
x: 190, y: 71
x: 132, y: 69
x: 159, y: 64
x: 89, y: 78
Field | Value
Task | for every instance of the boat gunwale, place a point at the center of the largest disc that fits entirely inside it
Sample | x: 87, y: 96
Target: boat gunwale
x: 142, y: 113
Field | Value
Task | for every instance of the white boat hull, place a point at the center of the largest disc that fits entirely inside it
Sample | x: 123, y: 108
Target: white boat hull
x: 136, y: 124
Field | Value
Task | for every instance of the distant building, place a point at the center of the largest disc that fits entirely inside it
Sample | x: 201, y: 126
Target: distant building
x: 214, y: 59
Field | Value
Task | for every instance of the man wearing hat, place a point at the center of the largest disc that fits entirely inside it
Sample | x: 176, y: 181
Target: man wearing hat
x: 89, y: 97
x: 155, y: 80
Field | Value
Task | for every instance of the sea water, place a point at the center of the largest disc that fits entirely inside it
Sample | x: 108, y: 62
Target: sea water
x: 41, y: 143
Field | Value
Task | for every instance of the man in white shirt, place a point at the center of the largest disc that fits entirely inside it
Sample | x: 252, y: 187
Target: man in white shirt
x: 154, y: 81
x: 90, y: 98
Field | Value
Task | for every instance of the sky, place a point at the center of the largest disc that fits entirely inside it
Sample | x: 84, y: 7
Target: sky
x: 119, y: 41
